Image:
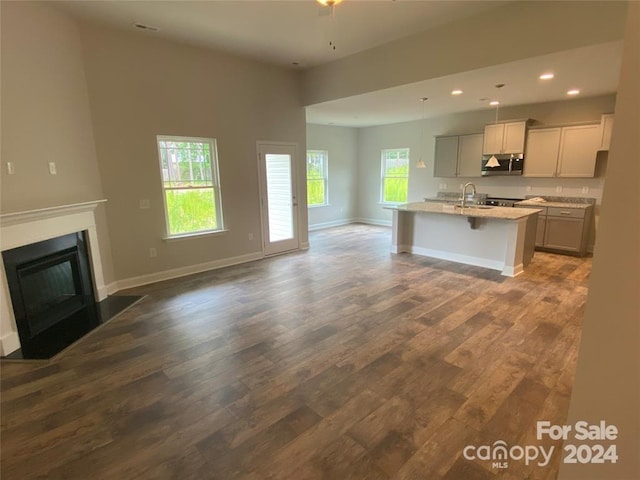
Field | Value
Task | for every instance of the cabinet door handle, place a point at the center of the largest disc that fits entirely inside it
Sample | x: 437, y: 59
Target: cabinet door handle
x: 565, y: 213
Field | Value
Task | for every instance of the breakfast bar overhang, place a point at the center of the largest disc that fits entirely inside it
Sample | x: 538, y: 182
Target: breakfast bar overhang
x: 492, y: 237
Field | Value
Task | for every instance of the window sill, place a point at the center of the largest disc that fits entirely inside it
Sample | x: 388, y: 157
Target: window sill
x: 186, y: 236
x: 392, y: 203
x: 319, y: 206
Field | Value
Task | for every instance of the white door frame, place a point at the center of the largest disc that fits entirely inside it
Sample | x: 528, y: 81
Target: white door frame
x: 262, y: 188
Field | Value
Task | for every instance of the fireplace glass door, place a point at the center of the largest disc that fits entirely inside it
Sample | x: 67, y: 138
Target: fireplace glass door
x: 51, y: 291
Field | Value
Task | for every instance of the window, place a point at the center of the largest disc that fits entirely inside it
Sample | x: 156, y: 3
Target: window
x: 316, y: 178
x: 190, y: 184
x: 395, y: 175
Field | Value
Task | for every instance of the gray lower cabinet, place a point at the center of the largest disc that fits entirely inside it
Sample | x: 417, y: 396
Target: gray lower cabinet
x: 541, y: 227
x: 563, y: 229
x: 563, y: 233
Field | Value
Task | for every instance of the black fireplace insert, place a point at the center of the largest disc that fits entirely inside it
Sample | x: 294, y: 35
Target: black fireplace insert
x: 51, y: 290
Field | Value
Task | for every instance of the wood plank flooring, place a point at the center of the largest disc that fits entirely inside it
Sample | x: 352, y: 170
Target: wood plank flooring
x: 341, y: 362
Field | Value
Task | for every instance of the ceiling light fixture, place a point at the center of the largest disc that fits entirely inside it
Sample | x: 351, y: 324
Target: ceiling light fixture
x: 493, y: 161
x: 546, y: 76
x: 573, y: 91
x: 146, y: 28
x: 456, y: 92
x: 421, y: 163
x: 331, y: 11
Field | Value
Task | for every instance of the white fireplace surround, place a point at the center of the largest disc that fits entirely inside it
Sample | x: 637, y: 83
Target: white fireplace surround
x: 23, y: 228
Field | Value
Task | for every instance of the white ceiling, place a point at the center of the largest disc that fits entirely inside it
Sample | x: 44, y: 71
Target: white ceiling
x: 280, y: 31
x: 594, y: 70
x: 283, y: 32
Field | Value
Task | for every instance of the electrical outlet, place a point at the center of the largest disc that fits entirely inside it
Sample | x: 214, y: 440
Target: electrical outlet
x: 461, y: 186
x: 528, y: 188
x: 585, y: 189
x: 10, y: 168
x: 251, y: 236
x: 144, y: 204
x: 445, y: 186
x: 52, y: 168
x: 153, y: 253
x: 559, y: 189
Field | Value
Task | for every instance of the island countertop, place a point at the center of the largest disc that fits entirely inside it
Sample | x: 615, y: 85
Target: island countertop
x: 478, y: 211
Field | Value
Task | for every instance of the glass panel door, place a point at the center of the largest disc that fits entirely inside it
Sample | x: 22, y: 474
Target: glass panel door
x: 278, y: 199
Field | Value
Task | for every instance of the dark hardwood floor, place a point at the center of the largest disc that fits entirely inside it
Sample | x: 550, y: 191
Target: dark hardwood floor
x: 342, y: 362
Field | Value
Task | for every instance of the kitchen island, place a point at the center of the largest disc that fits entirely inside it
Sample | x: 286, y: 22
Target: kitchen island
x: 498, y: 238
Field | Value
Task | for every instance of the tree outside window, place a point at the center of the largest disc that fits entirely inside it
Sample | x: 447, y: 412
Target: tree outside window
x: 317, y: 178
x: 190, y: 185
x: 395, y: 175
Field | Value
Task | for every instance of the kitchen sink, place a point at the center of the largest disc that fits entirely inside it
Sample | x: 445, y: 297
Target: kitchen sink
x: 479, y: 207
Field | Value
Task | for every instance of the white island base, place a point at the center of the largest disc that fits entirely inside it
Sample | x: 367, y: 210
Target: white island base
x: 485, y: 240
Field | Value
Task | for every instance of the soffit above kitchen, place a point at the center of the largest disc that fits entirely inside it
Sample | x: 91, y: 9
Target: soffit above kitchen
x: 594, y: 70
x: 279, y: 32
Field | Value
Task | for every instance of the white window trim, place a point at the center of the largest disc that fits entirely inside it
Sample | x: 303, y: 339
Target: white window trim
x: 215, y: 181
x: 383, y: 176
x: 325, y: 173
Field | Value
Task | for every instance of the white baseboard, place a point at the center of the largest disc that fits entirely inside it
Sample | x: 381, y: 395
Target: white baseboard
x: 9, y: 343
x: 335, y: 223
x: 372, y: 221
x: 456, y: 257
x: 181, y: 272
x: 103, y: 292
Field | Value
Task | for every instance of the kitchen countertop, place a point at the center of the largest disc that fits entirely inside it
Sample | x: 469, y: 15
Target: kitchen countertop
x: 531, y: 203
x: 502, y: 213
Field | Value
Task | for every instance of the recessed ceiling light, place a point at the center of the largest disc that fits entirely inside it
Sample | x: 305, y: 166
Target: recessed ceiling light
x: 494, y: 103
x: 456, y: 92
x: 546, y: 76
x: 573, y: 91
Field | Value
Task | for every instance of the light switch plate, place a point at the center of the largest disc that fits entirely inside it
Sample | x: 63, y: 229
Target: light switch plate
x: 559, y: 189
x: 52, y: 168
x: 10, y: 168
x: 585, y: 189
x: 144, y: 204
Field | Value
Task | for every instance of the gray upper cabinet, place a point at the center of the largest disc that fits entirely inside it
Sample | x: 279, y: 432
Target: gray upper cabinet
x: 470, y: 155
x: 446, y: 157
x: 578, y: 150
x: 504, y: 138
x: 541, y: 154
x: 562, y: 152
x: 458, y: 156
x: 606, y: 124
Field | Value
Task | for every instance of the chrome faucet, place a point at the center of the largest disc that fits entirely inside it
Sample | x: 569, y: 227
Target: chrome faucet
x: 464, y: 193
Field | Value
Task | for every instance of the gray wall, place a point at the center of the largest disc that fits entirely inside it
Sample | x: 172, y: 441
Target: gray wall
x: 46, y: 116
x: 141, y: 87
x: 608, y: 374
x: 341, y: 143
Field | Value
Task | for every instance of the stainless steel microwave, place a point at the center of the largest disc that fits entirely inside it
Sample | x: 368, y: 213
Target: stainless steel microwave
x: 509, y: 164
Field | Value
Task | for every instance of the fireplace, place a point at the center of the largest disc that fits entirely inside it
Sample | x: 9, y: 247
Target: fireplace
x: 74, y: 263
x: 52, y: 294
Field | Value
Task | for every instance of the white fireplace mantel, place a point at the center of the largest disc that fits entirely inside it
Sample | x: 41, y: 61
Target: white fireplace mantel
x: 23, y: 228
